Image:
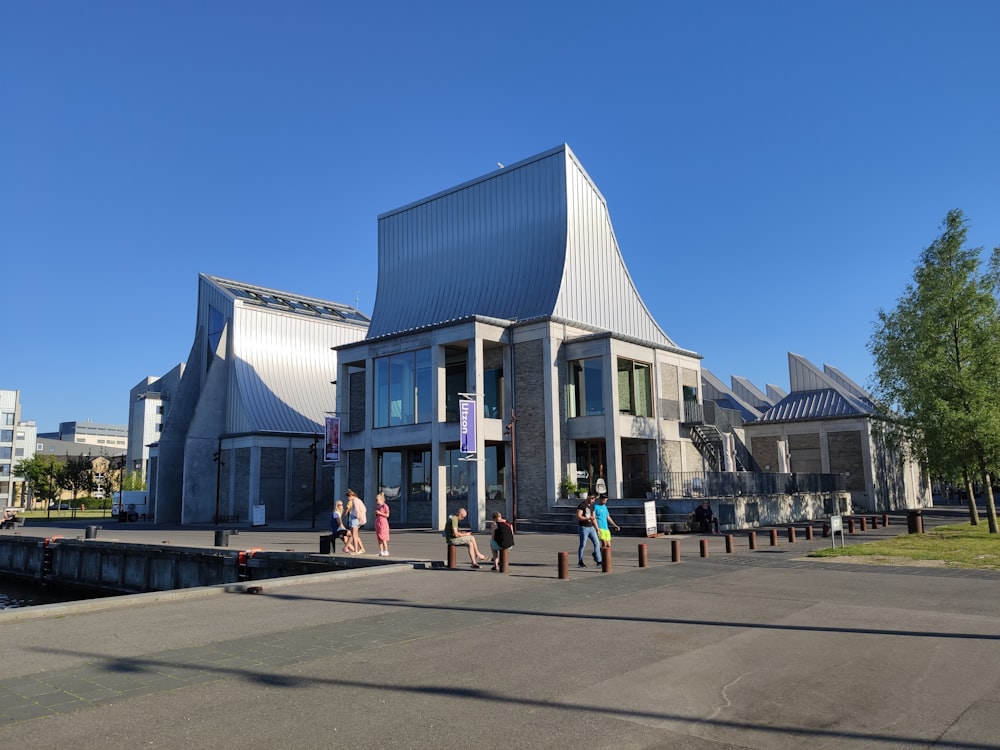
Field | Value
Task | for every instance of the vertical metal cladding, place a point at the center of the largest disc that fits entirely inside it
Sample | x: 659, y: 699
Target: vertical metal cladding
x: 598, y: 289
x: 282, y: 365
x: 531, y: 240
x: 493, y: 247
x: 278, y: 351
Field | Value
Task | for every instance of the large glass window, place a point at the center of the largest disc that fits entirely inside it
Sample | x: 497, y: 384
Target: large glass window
x: 421, y: 476
x: 457, y: 474
x: 390, y: 474
x: 586, y: 389
x: 402, y: 389
x: 493, y: 394
x: 590, y: 464
x: 423, y: 380
x: 456, y: 380
x: 634, y: 392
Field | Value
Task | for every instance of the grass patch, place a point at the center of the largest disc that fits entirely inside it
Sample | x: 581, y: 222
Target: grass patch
x: 41, y: 516
x: 958, y: 546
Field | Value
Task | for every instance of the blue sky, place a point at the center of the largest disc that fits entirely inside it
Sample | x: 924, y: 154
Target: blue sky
x: 772, y: 169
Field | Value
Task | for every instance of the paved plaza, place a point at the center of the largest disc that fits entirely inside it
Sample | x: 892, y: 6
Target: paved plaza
x: 749, y: 649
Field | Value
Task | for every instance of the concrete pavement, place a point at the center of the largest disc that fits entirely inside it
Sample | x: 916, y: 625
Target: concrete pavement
x: 757, y: 649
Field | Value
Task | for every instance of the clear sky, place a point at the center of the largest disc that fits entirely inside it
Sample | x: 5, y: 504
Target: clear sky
x: 772, y: 169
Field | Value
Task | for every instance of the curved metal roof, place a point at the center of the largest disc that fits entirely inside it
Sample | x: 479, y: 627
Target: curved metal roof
x: 279, y: 345
x: 527, y: 241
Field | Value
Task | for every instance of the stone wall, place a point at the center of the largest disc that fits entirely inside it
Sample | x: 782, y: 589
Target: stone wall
x: 846, y: 456
x: 532, y: 443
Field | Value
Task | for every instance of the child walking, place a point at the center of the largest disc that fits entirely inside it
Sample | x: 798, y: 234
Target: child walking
x: 604, y: 518
x: 382, y: 525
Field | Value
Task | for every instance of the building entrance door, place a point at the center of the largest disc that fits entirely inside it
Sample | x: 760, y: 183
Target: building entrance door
x: 636, y: 474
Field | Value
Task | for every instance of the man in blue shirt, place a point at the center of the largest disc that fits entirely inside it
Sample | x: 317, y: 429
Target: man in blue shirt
x: 603, y: 518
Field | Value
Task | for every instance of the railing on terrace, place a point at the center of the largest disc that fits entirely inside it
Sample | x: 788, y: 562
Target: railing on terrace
x: 730, y: 483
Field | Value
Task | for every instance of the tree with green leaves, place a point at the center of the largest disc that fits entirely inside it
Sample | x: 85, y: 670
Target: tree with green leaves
x: 77, y: 476
x: 133, y: 481
x: 43, y: 474
x: 937, y: 362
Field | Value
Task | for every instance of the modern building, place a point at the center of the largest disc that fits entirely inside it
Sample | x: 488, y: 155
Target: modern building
x: 113, y: 438
x: 105, y: 463
x: 829, y: 424
x: 510, y: 292
x: 248, y: 409
x: 10, y: 431
x: 149, y: 406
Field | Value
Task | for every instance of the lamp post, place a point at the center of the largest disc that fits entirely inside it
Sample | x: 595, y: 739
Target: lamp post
x: 511, y: 430
x: 312, y: 449
x: 217, y: 457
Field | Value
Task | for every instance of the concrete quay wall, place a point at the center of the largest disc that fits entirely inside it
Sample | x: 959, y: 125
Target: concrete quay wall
x: 139, y: 568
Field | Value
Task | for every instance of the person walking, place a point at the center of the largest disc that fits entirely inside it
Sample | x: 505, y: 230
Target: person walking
x: 603, y: 518
x: 585, y: 519
x: 357, y: 518
x: 382, y: 525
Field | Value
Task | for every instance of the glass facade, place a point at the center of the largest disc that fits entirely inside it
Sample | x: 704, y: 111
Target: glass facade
x: 493, y: 394
x: 402, y: 390
x: 586, y: 389
x: 634, y: 388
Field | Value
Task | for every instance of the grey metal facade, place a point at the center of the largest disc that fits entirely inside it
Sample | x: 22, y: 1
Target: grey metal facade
x: 257, y: 380
x: 531, y: 240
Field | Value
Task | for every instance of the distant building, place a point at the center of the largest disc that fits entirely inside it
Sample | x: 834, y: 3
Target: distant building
x: 113, y: 438
x: 10, y: 429
x: 149, y: 406
x: 105, y: 464
x: 829, y: 424
x: 246, y: 419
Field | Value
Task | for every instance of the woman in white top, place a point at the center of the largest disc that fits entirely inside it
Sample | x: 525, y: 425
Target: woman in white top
x: 358, y: 518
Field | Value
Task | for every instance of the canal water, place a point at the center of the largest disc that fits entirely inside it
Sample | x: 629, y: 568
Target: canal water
x: 14, y: 594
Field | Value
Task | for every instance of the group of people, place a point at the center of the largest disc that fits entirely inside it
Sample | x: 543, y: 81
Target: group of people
x: 502, y: 538
x: 594, y: 521
x: 592, y: 516
x: 346, y: 522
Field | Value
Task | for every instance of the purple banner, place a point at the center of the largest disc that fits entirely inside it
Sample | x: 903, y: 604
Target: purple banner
x: 467, y: 417
x: 331, y: 446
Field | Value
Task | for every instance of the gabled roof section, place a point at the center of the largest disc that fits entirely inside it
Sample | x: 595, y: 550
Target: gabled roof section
x: 845, y: 382
x: 528, y: 241
x: 815, y: 395
x: 774, y: 393
x: 286, y: 302
x: 751, y: 394
x: 713, y: 389
x: 821, y: 404
x: 279, y: 348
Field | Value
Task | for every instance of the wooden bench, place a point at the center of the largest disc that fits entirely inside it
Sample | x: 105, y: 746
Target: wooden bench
x: 675, y: 523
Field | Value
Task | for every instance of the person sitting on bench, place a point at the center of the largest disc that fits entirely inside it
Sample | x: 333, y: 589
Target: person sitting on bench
x: 462, y: 538
x: 9, y: 518
x: 503, y: 538
x: 337, y: 528
x: 705, y: 519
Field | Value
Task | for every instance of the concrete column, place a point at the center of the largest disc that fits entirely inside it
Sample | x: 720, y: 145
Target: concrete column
x: 439, y: 494
x: 477, y: 468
